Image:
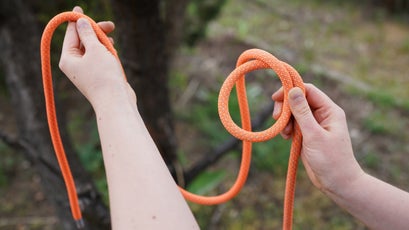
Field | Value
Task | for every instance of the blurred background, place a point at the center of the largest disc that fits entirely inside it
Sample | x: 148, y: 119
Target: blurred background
x: 176, y: 55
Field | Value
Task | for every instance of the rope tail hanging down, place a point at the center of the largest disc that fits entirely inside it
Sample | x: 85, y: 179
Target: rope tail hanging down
x: 248, y: 61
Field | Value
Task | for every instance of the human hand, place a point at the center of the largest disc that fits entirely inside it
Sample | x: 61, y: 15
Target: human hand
x: 89, y: 65
x: 326, y: 147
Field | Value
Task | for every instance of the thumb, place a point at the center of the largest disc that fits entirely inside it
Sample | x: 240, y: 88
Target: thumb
x: 301, y: 111
x: 86, y: 33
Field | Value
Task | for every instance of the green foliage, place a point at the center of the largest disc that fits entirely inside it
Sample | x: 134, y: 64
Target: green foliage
x: 206, y: 182
x: 387, y: 101
x: 198, y: 15
x: 98, y: 10
x: 382, y: 99
x: 371, y: 161
x: 404, y: 47
x: 204, y: 116
x: 376, y: 124
x: 272, y: 156
x: 91, y: 157
x: 243, y: 28
x: 177, y: 80
x: 383, y: 121
x: 202, y: 214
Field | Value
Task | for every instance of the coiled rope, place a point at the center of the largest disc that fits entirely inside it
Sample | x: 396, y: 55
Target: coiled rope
x: 248, y: 61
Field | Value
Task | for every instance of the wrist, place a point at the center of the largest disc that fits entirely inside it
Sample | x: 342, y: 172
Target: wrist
x: 112, y: 97
x: 344, y: 184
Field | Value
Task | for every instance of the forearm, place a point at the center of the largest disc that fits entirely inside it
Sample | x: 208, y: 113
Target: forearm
x: 142, y: 192
x: 377, y: 204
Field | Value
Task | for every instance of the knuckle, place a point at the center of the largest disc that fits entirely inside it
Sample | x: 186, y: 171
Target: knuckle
x: 88, y: 33
x: 303, y: 109
x: 340, y: 113
x: 308, y: 85
x: 94, y: 46
x: 63, y: 63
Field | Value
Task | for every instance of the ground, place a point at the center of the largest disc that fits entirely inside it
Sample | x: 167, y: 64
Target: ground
x: 357, y: 55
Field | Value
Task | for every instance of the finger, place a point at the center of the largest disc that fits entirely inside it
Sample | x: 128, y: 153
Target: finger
x: 78, y: 9
x: 71, y: 39
x: 278, y: 106
x: 278, y: 95
x: 287, y: 131
x: 302, y: 112
x: 285, y: 136
x: 111, y: 40
x: 86, y: 33
x: 106, y: 26
x: 316, y: 98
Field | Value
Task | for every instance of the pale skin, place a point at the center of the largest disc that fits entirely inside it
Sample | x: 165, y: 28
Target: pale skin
x: 143, y: 194
x: 330, y: 163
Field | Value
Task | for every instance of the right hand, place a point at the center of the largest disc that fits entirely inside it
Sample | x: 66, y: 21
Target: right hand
x: 326, y: 147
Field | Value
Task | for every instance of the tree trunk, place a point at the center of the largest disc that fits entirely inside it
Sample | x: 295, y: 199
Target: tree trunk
x: 19, y: 42
x: 141, y: 35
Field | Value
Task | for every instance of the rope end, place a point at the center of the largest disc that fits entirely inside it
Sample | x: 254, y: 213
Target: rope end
x: 80, y: 224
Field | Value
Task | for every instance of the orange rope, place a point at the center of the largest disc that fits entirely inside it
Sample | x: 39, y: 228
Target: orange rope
x: 250, y: 60
x: 50, y: 105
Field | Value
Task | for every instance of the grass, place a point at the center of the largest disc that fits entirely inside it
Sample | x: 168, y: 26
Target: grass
x: 378, y: 123
x: 341, y: 36
x: 326, y: 33
x: 334, y: 34
x: 371, y: 161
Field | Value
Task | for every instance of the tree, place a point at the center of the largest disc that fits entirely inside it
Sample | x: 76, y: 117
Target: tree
x: 149, y: 32
x: 144, y: 54
x: 19, y: 39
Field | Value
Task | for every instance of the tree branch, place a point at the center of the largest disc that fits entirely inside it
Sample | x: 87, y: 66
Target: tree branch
x: 232, y: 143
x: 25, y: 148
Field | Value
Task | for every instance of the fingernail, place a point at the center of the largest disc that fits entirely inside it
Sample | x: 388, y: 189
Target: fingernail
x: 276, y: 111
x: 77, y: 9
x: 295, y: 94
x: 82, y: 23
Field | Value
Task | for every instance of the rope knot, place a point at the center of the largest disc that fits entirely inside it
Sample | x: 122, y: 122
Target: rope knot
x: 248, y: 61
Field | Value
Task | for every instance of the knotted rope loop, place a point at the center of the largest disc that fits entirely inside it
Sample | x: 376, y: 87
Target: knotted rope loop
x: 248, y: 61
x: 251, y: 60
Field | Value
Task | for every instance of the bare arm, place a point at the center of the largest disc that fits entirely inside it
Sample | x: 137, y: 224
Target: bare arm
x: 142, y: 193
x: 377, y: 204
x: 330, y: 163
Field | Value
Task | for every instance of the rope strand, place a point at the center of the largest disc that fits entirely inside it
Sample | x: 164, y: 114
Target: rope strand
x: 248, y: 61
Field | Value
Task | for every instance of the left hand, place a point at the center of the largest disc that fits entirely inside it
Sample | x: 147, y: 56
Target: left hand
x: 88, y: 64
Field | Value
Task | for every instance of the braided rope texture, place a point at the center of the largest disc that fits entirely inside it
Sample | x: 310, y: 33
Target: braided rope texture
x: 50, y: 104
x: 251, y: 60
x: 248, y: 61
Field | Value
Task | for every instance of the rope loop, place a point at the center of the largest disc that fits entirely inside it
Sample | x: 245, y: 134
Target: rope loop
x: 250, y: 60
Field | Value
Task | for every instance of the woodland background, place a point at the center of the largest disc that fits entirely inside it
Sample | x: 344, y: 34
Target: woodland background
x: 176, y: 55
